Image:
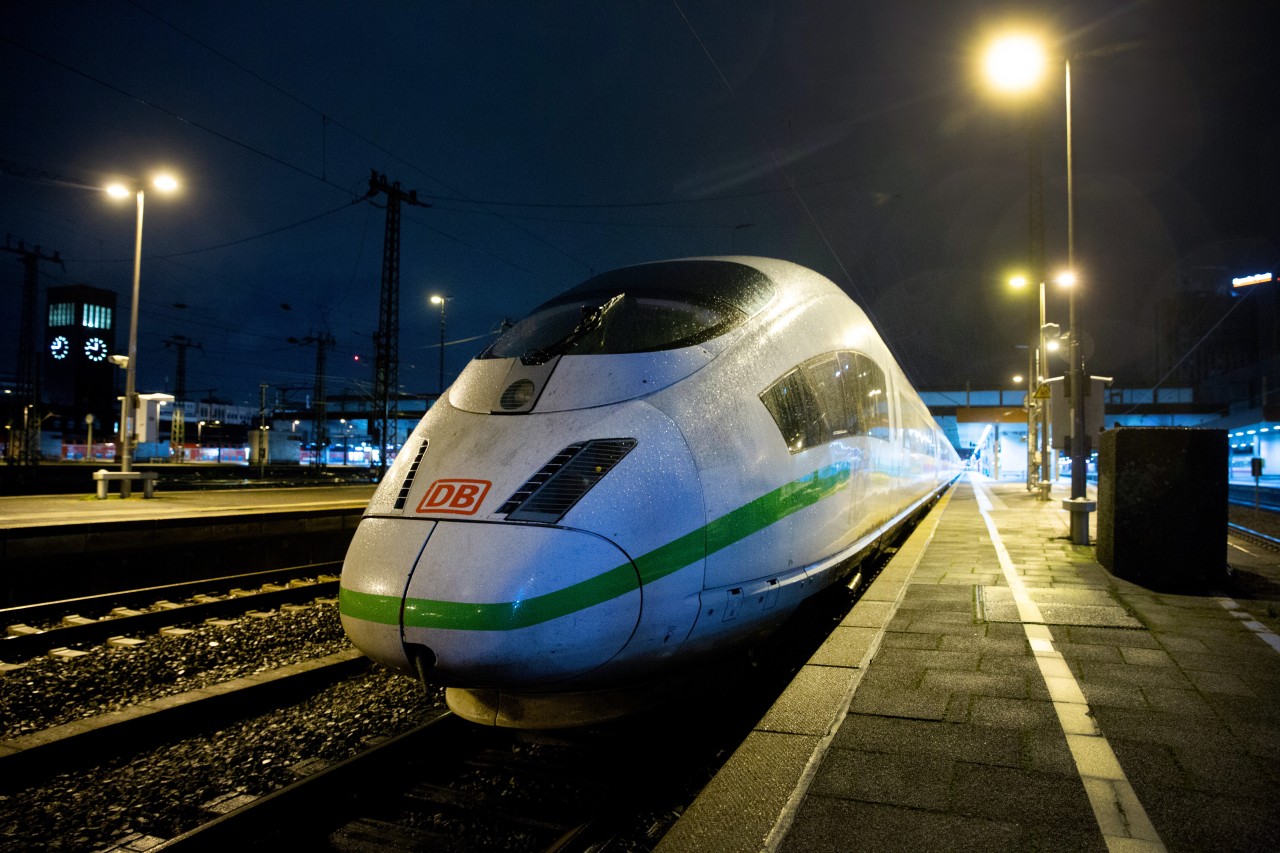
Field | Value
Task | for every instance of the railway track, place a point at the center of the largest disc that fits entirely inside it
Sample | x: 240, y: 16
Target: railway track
x: 71, y: 747
x: 471, y: 789
x: 35, y: 629
x: 460, y: 787
x: 453, y: 786
x: 1254, y: 536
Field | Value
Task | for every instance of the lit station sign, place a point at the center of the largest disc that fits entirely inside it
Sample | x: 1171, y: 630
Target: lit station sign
x: 1245, y: 281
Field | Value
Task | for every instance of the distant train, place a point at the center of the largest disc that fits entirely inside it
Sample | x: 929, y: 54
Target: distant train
x: 654, y: 467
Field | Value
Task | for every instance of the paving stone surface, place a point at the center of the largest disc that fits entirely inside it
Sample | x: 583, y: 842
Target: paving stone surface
x: 957, y: 734
x: 1118, y: 717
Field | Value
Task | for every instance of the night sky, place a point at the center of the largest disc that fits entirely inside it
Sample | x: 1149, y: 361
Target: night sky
x: 553, y: 140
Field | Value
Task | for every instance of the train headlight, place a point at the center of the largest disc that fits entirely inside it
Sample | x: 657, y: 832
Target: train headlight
x: 517, y: 395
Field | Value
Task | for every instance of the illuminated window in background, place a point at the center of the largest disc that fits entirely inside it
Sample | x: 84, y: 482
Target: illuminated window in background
x: 97, y: 317
x: 62, y: 314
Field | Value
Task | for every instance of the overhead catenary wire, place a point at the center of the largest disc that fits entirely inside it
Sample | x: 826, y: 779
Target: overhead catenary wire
x: 327, y: 119
x: 321, y: 178
x: 786, y: 176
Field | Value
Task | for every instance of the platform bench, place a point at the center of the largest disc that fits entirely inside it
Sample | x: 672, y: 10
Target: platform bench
x: 126, y: 478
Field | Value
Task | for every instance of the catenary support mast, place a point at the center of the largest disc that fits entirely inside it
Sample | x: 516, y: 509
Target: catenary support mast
x: 386, y: 391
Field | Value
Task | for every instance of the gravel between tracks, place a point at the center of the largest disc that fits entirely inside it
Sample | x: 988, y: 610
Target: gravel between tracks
x: 48, y: 691
x: 161, y: 793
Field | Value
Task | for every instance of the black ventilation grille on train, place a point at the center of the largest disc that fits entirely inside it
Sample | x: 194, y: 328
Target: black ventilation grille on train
x: 563, y: 481
x: 408, y: 478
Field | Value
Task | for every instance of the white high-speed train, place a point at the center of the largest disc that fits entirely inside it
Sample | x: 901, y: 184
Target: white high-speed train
x: 652, y: 468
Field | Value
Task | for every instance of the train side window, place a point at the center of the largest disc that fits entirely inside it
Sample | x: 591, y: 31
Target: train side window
x: 823, y: 377
x: 849, y: 390
x: 869, y: 391
x: 791, y: 402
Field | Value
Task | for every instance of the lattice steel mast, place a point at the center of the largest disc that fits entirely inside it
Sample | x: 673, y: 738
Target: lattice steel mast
x: 386, y: 390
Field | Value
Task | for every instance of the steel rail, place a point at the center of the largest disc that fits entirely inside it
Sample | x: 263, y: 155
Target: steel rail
x: 14, y: 649
x: 103, y: 602
x: 1254, y: 535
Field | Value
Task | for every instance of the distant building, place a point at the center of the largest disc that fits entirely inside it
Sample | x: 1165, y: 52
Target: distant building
x: 1203, y: 330
x: 1220, y: 335
x: 79, y: 379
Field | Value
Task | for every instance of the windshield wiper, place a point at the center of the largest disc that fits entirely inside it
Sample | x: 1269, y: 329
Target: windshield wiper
x: 591, y: 320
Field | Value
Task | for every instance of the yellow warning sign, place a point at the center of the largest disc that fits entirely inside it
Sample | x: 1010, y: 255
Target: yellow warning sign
x: 1042, y: 393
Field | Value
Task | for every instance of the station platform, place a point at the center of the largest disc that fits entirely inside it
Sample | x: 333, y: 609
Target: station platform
x: 24, y: 511
x: 69, y: 546
x: 996, y: 689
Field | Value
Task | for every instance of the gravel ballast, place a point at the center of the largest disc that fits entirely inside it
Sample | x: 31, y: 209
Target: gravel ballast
x: 168, y: 790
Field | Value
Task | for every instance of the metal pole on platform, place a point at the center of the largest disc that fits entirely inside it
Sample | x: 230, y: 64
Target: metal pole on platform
x: 1079, y: 438
x: 129, y: 404
x: 1046, y: 477
x: 128, y: 425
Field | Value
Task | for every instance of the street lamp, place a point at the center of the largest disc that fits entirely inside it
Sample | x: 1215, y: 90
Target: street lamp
x: 1037, y: 370
x: 199, y: 441
x: 164, y: 183
x: 1015, y: 64
x: 1033, y: 356
x: 1068, y: 279
x: 437, y: 299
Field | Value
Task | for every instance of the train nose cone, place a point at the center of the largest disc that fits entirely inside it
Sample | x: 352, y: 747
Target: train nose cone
x: 371, y: 593
x: 508, y: 605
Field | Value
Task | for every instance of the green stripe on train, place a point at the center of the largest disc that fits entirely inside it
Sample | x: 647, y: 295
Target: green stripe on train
x: 658, y: 563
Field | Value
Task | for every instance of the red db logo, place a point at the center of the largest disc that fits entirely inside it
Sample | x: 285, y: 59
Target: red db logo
x: 460, y: 497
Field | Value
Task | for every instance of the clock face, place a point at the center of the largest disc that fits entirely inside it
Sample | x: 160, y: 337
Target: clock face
x: 60, y: 346
x: 95, y: 349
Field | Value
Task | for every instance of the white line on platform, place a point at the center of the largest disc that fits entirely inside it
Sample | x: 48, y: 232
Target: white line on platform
x: 1264, y: 633
x: 1121, y: 817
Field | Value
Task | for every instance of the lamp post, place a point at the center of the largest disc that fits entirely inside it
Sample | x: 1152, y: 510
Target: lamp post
x: 1079, y: 440
x: 437, y: 299
x: 128, y: 428
x: 1038, y: 410
x: 1019, y: 282
x: 1015, y: 64
x: 199, y: 441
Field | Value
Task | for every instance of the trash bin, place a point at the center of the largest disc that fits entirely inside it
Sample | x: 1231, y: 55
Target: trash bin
x: 1162, y: 506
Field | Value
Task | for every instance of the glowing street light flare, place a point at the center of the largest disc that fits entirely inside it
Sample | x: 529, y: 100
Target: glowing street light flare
x: 1015, y: 63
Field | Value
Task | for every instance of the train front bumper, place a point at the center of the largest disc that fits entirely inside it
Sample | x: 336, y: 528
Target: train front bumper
x: 487, y: 603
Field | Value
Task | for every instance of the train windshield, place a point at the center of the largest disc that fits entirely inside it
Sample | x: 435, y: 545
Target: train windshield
x: 639, y: 309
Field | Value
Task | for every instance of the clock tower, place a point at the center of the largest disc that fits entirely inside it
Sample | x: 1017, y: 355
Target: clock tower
x: 80, y: 331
